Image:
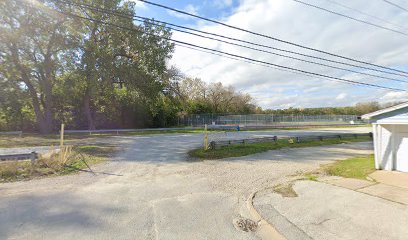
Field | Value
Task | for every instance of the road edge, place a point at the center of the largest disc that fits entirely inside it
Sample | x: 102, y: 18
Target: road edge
x: 265, y: 230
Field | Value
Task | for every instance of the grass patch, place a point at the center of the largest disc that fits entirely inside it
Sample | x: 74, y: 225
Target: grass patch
x: 247, y: 149
x: 305, y: 127
x: 51, y: 165
x: 356, y: 167
x: 310, y: 177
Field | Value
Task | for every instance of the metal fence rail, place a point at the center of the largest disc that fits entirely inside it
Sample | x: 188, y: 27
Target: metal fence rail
x: 19, y: 156
x: 219, y: 144
x: 265, y: 119
x: 12, y: 133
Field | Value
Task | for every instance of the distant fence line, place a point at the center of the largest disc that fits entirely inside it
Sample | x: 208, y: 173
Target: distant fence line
x: 265, y: 119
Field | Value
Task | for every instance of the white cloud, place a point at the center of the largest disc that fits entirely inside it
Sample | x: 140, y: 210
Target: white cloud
x: 395, y: 97
x: 341, y: 96
x: 307, y: 26
x: 222, y: 3
x: 189, y: 8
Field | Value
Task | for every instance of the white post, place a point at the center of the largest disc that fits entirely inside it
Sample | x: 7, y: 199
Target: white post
x: 62, y: 142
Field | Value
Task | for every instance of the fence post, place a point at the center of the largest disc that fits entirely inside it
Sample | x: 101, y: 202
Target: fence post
x: 61, y: 142
x: 33, y: 159
x: 205, y: 137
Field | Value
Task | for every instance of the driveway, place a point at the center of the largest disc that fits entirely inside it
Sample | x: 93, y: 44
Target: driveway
x: 153, y: 191
x: 324, y: 211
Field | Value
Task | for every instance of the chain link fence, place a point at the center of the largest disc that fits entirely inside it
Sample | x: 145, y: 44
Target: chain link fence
x: 267, y: 120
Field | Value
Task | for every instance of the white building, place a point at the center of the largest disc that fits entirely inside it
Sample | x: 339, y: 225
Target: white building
x: 390, y: 132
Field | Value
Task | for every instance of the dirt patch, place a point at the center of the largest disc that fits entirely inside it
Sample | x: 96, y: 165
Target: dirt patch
x: 246, y: 225
x: 286, y: 190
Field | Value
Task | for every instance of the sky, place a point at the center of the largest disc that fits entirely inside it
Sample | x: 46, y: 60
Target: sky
x: 295, y: 22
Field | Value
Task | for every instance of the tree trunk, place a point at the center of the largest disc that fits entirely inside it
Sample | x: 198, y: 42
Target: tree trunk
x: 88, y: 111
x: 43, y: 123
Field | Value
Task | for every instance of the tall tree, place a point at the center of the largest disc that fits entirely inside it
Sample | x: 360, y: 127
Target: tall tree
x: 133, y: 55
x: 32, y: 43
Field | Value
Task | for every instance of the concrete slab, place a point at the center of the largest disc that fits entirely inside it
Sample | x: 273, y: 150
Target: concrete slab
x: 394, y: 178
x: 324, y: 211
x: 350, y: 183
x: 393, y: 193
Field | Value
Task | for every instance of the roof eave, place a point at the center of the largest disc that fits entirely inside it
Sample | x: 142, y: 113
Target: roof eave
x: 385, y: 110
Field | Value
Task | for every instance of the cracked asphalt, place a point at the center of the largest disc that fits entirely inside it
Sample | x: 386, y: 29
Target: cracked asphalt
x: 151, y: 190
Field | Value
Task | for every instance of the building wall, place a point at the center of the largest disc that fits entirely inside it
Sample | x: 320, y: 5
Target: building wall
x: 387, y: 142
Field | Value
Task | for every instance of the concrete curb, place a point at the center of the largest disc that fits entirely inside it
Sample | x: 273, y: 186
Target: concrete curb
x: 265, y: 230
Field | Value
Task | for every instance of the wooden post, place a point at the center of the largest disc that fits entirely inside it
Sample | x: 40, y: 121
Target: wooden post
x: 205, y: 137
x: 61, y: 142
x: 33, y: 159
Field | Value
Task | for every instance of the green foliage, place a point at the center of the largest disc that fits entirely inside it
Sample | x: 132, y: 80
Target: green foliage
x: 195, y: 97
x: 356, y: 167
x: 66, y: 69
x: 359, y: 109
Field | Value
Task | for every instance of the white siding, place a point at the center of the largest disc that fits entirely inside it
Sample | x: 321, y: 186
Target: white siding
x: 391, y: 146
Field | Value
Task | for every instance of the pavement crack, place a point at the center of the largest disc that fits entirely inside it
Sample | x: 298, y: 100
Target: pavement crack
x: 323, y: 221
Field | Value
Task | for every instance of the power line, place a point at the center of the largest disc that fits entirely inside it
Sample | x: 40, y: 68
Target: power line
x: 269, y: 37
x: 235, y: 55
x: 396, y: 5
x: 366, y: 14
x: 220, y: 55
x: 234, y: 39
x: 352, y: 18
x: 276, y: 68
x: 196, y: 49
x: 274, y: 48
x: 290, y: 57
x: 138, y: 18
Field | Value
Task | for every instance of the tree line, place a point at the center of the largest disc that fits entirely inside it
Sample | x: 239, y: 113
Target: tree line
x: 57, y: 68
x: 358, y: 109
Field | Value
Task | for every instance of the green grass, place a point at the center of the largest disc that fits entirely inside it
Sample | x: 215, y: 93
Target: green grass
x: 310, y: 177
x: 247, y: 149
x: 356, y: 167
x: 23, y: 170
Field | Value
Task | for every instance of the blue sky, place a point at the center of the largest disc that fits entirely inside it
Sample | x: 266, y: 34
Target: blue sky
x: 208, y: 8
x: 288, y: 20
